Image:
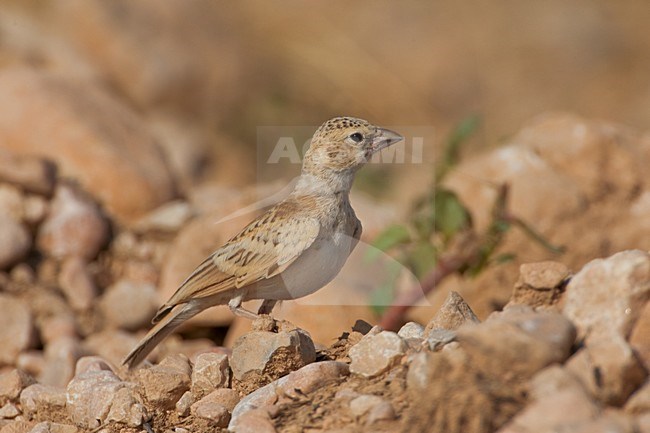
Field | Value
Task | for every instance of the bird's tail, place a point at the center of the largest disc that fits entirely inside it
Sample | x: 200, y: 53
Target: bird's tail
x: 162, y: 329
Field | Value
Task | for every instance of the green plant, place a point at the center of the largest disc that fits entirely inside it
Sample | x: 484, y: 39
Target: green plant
x: 439, y: 238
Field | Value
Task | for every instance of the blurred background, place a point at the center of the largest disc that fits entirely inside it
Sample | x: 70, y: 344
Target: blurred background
x: 158, y: 111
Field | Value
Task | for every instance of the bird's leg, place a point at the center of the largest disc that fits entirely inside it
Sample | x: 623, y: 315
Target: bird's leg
x: 267, y: 306
x: 235, y: 306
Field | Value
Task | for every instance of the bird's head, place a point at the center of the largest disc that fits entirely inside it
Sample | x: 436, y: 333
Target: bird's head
x: 343, y: 144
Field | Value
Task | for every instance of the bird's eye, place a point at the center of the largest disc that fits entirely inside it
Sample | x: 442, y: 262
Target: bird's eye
x: 356, y: 137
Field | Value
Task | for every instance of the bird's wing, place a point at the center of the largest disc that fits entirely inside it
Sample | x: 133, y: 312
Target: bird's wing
x: 263, y: 249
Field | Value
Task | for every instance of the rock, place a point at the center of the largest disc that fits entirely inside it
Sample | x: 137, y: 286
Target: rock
x: 112, y: 345
x: 411, y: 330
x: 640, y: 337
x: 184, y: 404
x: 617, y: 287
x: 16, y: 329
x: 30, y: 173
x: 639, y: 402
x: 76, y: 283
x: 43, y: 399
x: 35, y: 208
x: 11, y: 201
x: 606, y: 423
x: 253, y: 421
x: 61, y: 357
x: 91, y: 134
x: 216, y: 406
x: 212, y: 411
x: 365, y: 403
x: 168, y: 218
x: 225, y: 397
x: 453, y: 313
x: 439, y: 338
x: 53, y: 427
x: 304, y: 381
x: 15, y: 241
x: 375, y: 354
x: 524, y: 340
x: 165, y: 383
x: 9, y: 411
x: 552, y: 391
x: 97, y: 396
x: 540, y: 284
x: 56, y: 327
x: 608, y: 368
x: 418, y: 376
x: 211, y: 371
x: 129, y: 305
x: 74, y: 226
x: 260, y: 357
x: 12, y: 383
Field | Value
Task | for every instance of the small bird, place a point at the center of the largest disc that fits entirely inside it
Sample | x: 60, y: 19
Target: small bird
x: 292, y: 250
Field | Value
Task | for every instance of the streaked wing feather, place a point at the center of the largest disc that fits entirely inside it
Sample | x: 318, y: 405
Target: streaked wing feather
x: 265, y: 248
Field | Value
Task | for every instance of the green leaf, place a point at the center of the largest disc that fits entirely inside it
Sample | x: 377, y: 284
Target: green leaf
x: 392, y: 236
x: 450, y: 215
x: 504, y: 258
x: 381, y: 298
x: 451, y: 154
x: 422, y: 258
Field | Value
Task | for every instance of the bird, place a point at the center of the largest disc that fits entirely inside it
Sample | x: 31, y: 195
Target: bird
x: 293, y: 249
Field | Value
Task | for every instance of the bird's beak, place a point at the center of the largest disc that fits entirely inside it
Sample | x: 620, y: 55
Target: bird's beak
x: 385, y: 138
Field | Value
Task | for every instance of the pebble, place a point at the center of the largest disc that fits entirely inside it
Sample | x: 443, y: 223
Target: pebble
x: 615, y: 287
x: 298, y: 383
x: 207, y: 408
x: 38, y: 398
x: 211, y: 371
x: 9, y: 411
x: 12, y: 383
x: 255, y: 356
x: 168, y: 218
x: 164, y: 384
x: 129, y: 305
x: 15, y: 241
x: 61, y: 356
x: 73, y: 227
x: 16, y: 328
x: 375, y: 354
x: 30, y: 173
x: 76, y: 283
x: 453, y: 313
x: 184, y: 404
x: 94, y: 397
x: 411, y: 330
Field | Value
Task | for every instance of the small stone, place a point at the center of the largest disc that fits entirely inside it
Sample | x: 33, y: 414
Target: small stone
x: 11, y: 202
x: 411, y: 330
x: 35, y: 209
x: 164, y: 384
x: 94, y: 397
x: 616, y: 287
x: 640, y: 337
x: 111, y: 344
x: 382, y: 412
x: 418, y: 376
x: 90, y: 364
x: 73, y: 227
x: 364, y: 403
x: 453, y: 313
x: 210, y: 408
x: 260, y: 357
x: 226, y: 397
x: 15, y: 241
x: 184, y: 403
x: 540, y: 284
x: 53, y: 427
x: 61, y: 356
x: 375, y: 354
x: 639, y: 402
x: 520, y: 338
x: 76, y: 283
x: 168, y: 218
x: 16, y: 329
x: 296, y: 384
x: 31, y: 361
x: 9, y: 411
x: 211, y: 371
x: 253, y: 421
x: 129, y: 305
x: 39, y: 398
x: 53, y: 328
x: 30, y: 173
x: 12, y: 383
x: 439, y: 338
x: 614, y: 368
